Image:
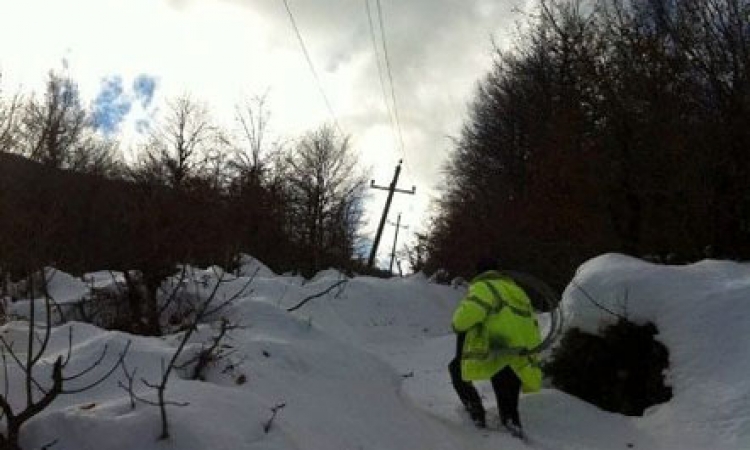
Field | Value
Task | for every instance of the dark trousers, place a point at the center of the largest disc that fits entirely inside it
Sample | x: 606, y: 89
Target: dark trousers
x: 505, y: 383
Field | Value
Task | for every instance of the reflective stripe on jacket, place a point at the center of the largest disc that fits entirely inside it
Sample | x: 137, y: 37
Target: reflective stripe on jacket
x: 500, y: 327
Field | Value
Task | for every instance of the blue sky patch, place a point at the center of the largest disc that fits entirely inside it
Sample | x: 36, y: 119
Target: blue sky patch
x: 111, y: 105
x: 142, y: 126
x: 144, y: 87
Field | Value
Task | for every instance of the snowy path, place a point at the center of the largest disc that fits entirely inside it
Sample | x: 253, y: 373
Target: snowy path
x: 411, y: 334
x: 553, y: 419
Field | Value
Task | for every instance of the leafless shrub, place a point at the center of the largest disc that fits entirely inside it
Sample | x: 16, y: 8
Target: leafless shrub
x: 207, y: 308
x: 38, y: 394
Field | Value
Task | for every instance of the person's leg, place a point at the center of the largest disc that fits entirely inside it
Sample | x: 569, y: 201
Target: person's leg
x: 467, y: 393
x: 507, y: 389
x: 465, y: 390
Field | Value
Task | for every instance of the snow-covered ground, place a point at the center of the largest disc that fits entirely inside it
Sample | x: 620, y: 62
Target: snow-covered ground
x: 365, y: 368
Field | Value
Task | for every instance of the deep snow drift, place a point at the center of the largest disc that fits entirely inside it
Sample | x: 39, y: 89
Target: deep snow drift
x: 365, y: 368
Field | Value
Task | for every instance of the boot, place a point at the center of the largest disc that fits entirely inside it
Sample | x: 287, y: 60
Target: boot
x: 476, y: 412
x: 515, y: 429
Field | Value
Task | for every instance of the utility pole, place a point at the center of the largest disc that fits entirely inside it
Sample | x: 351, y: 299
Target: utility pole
x: 391, y: 189
x: 395, y: 239
x: 400, y: 272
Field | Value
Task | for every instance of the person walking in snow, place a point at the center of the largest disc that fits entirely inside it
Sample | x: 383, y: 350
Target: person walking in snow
x: 495, y: 328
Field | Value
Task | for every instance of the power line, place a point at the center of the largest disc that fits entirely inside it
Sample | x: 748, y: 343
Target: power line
x: 390, y: 79
x: 373, y: 39
x: 312, y: 66
x: 390, y: 74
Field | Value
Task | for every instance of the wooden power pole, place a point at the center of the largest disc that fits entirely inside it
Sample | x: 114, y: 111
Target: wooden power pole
x: 391, y: 189
x: 395, y: 240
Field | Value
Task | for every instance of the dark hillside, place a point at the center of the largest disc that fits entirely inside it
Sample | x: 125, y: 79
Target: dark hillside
x: 78, y: 221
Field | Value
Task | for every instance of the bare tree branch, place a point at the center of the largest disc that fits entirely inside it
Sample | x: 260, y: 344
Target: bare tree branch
x: 320, y: 294
x: 274, y: 411
x: 102, y: 378
x: 595, y: 303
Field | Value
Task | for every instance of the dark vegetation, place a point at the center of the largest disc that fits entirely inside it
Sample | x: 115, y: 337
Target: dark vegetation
x: 196, y: 194
x: 620, y: 370
x: 611, y: 125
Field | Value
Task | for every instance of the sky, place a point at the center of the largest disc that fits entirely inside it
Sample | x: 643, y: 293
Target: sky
x: 130, y: 56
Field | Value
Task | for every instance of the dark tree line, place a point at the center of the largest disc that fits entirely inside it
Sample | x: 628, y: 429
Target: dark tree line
x: 612, y: 125
x: 196, y: 193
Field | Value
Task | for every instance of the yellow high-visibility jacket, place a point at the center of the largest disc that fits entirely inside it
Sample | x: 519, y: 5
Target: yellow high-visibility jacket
x: 499, y: 323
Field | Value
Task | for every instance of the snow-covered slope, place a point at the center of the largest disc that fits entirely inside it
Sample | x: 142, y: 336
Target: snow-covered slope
x: 365, y: 368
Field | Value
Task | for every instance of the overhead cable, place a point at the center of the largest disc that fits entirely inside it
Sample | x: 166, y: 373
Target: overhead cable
x: 373, y: 39
x: 312, y: 66
x: 381, y: 21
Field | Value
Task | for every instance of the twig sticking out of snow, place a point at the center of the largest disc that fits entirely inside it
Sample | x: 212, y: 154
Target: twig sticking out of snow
x: 206, y: 308
x: 320, y: 294
x: 49, y: 445
x: 129, y: 388
x: 212, y: 353
x: 274, y: 411
x: 595, y: 303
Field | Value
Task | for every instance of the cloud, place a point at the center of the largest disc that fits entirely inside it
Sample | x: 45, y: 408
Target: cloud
x: 111, y: 105
x: 437, y: 50
x: 144, y: 87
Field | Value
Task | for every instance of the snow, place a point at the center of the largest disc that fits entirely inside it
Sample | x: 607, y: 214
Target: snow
x: 702, y: 312
x: 365, y: 367
x: 250, y: 266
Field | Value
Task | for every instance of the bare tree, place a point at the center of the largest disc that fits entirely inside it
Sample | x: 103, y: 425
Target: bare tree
x: 8, y: 115
x: 58, y: 132
x: 97, y: 155
x: 416, y: 252
x: 326, y: 189
x: 180, y: 144
x: 50, y: 129
x: 253, y: 148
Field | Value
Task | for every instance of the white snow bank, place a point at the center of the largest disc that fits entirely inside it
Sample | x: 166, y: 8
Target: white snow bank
x: 250, y: 266
x: 366, y: 367
x: 702, y: 312
x: 336, y: 396
x: 64, y: 290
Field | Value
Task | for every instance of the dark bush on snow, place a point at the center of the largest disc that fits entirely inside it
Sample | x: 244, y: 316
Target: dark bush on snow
x: 621, y: 370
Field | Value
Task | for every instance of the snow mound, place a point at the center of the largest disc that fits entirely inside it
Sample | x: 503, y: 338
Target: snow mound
x: 64, y: 290
x: 250, y: 266
x: 702, y: 312
x: 328, y: 274
x: 63, y: 287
